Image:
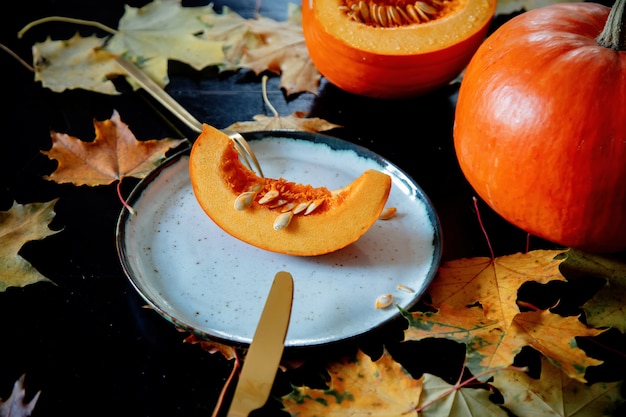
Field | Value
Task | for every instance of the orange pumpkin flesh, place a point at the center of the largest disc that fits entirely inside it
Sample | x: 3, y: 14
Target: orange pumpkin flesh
x: 395, y: 60
x: 540, y: 129
x: 341, y: 217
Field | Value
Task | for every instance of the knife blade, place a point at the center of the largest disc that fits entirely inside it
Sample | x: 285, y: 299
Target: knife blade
x: 261, y: 362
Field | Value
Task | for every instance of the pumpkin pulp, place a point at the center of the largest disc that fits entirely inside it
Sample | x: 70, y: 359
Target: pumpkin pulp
x: 251, y: 208
x: 393, y: 49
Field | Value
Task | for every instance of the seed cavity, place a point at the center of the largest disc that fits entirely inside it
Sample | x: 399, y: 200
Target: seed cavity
x: 389, y: 13
x: 283, y: 220
x: 383, y: 301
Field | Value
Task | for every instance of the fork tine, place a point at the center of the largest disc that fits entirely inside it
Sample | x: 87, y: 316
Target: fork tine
x: 244, y: 149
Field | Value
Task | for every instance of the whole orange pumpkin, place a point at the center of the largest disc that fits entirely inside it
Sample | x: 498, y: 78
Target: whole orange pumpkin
x: 540, y: 124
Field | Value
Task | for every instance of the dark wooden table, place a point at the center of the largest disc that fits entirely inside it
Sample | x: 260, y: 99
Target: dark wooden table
x: 87, y: 342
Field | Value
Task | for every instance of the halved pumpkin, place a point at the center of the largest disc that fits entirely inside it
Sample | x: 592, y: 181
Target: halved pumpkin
x: 393, y: 48
x: 278, y: 215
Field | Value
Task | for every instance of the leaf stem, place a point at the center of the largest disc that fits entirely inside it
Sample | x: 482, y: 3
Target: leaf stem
x: 467, y: 382
x: 119, y: 194
x: 265, y: 99
x: 482, y: 227
x: 14, y: 55
x: 66, y: 20
x: 220, y: 399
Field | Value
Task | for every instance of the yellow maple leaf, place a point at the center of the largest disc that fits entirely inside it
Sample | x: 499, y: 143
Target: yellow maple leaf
x: 18, y: 225
x: 607, y: 308
x: 555, y: 337
x: 163, y: 30
x: 555, y: 394
x: 359, y: 386
x: 490, y: 345
x: 493, y: 283
x: 74, y: 63
x: 115, y: 153
x: 294, y: 121
x: 476, y: 305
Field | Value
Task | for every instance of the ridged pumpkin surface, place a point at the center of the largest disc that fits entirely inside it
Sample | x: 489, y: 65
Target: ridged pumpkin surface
x: 380, y: 58
x: 339, y: 217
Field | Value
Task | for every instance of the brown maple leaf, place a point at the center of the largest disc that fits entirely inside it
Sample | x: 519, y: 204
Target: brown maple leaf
x: 114, y: 154
x: 18, y: 225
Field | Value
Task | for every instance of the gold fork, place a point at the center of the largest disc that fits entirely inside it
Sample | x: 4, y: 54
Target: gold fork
x: 167, y: 101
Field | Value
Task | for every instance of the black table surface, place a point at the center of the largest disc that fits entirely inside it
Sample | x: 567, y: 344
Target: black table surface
x: 86, y: 341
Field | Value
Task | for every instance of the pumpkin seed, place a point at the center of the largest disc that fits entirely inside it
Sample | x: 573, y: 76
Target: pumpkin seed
x: 384, y: 301
x: 244, y: 200
x: 380, y: 13
x: 404, y: 288
x: 283, y: 220
x: 314, y: 204
x: 301, y: 207
x: 388, y: 213
x: 269, y: 196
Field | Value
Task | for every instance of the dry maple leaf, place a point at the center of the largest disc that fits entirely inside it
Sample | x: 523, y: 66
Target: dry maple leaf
x: 210, y: 346
x: 283, y: 52
x: 476, y: 305
x: 490, y: 345
x: 555, y: 394
x: 493, y: 283
x: 359, y: 386
x: 74, y: 63
x: 18, y: 225
x: 163, y: 30
x: 15, y: 406
x: 263, y: 44
x: 607, y: 308
x: 295, y: 121
x: 440, y: 399
x: 114, y: 154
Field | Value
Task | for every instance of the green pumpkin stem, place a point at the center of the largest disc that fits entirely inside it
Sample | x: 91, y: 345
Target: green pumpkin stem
x: 614, y: 33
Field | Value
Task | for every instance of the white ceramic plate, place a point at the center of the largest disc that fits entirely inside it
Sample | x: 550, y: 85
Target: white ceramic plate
x: 205, y: 281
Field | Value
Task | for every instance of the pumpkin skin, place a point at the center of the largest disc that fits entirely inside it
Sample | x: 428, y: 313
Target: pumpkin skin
x: 393, y: 62
x: 218, y: 177
x: 540, y: 127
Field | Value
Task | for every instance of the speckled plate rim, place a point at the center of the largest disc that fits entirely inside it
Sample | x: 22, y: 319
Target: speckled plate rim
x: 143, y: 276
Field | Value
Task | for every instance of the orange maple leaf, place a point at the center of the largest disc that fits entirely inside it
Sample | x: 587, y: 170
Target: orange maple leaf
x: 114, y: 154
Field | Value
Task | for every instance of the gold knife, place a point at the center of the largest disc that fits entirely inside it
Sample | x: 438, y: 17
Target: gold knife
x: 261, y: 362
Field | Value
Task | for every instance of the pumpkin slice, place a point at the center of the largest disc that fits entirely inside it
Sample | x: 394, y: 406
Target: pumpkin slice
x: 278, y: 215
x: 393, y: 48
